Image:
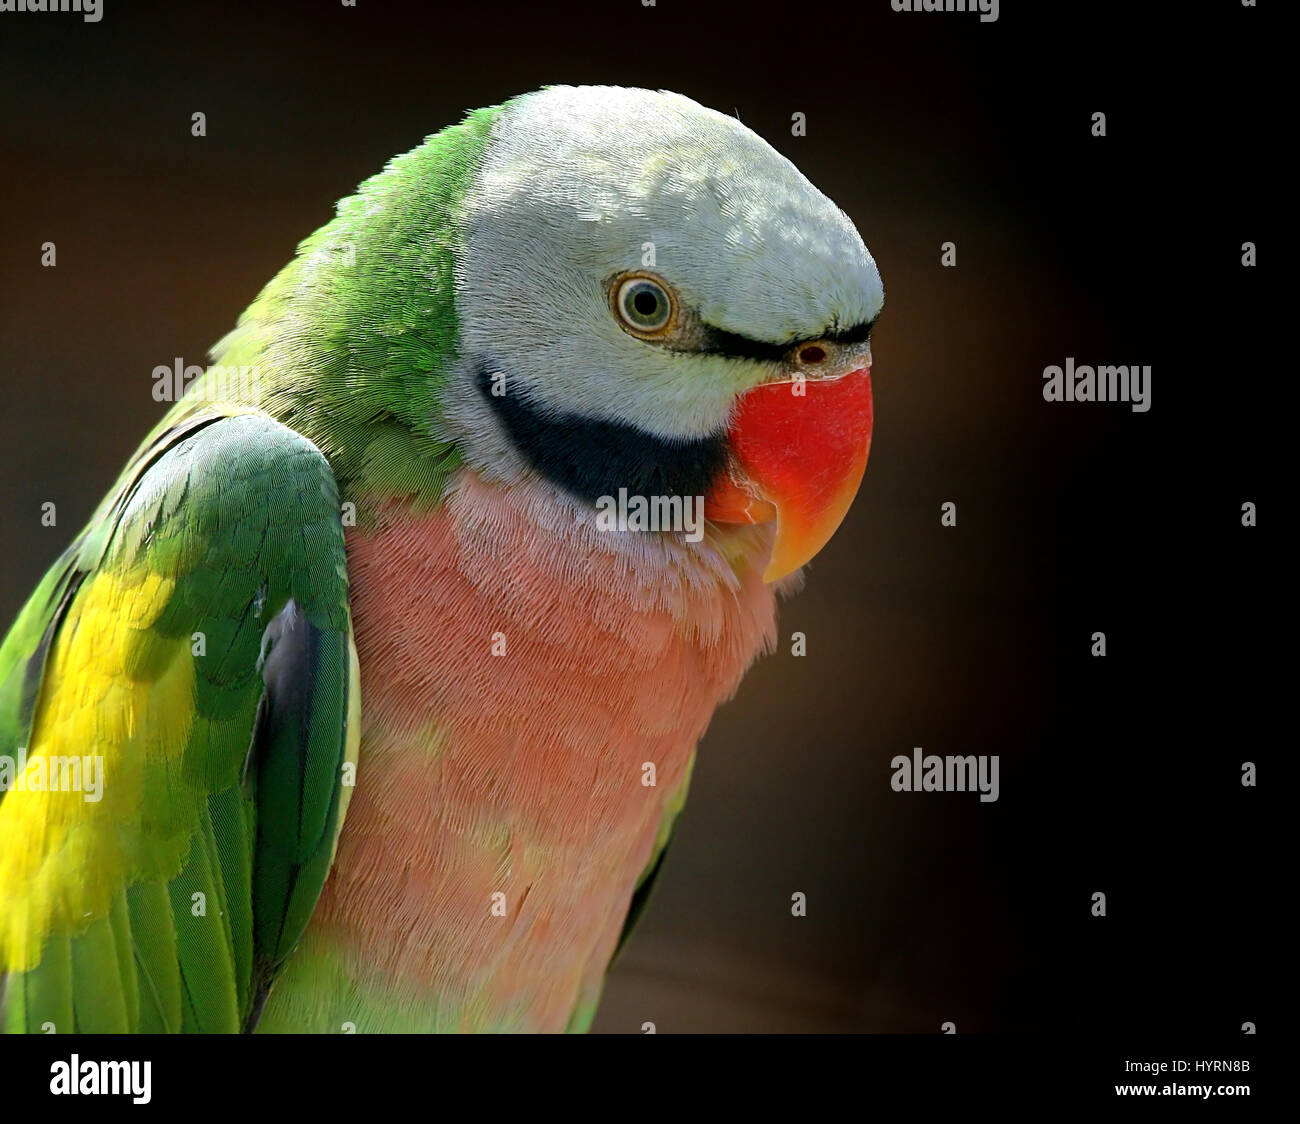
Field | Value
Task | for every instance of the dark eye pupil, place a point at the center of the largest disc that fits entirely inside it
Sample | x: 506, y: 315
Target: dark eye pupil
x: 643, y: 305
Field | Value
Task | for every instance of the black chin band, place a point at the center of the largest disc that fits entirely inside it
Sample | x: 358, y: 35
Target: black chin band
x: 591, y: 459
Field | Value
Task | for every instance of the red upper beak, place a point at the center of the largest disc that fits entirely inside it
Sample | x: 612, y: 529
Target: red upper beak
x: 799, y: 450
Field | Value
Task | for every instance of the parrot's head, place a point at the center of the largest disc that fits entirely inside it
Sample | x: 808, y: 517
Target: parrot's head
x: 651, y: 298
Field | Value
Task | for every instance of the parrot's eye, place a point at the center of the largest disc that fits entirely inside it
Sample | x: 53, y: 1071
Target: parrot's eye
x: 644, y: 305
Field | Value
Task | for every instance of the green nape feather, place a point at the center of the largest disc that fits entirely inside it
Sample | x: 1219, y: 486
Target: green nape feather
x: 351, y: 343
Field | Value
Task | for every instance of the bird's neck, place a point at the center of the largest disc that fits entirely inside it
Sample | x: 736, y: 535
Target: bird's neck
x: 352, y: 342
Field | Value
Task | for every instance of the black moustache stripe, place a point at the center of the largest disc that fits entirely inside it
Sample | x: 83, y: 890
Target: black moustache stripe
x: 591, y: 459
x: 717, y: 341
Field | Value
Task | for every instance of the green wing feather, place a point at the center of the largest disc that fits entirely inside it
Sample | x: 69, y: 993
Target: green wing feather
x: 196, y: 639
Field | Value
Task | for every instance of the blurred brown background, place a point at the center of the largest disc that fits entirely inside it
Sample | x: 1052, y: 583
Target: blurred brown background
x: 1119, y: 774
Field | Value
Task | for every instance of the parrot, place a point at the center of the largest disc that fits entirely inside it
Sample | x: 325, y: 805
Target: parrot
x: 347, y: 711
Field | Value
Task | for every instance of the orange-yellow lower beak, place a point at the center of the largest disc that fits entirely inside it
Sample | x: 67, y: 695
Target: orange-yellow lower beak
x: 798, y: 454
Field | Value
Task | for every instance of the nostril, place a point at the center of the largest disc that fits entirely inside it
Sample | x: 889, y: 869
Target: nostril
x: 812, y: 354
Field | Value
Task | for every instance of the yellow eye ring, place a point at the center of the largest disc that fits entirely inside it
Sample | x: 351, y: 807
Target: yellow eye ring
x: 644, y: 304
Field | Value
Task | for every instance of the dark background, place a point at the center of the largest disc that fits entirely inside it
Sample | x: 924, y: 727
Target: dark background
x: 1119, y: 774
